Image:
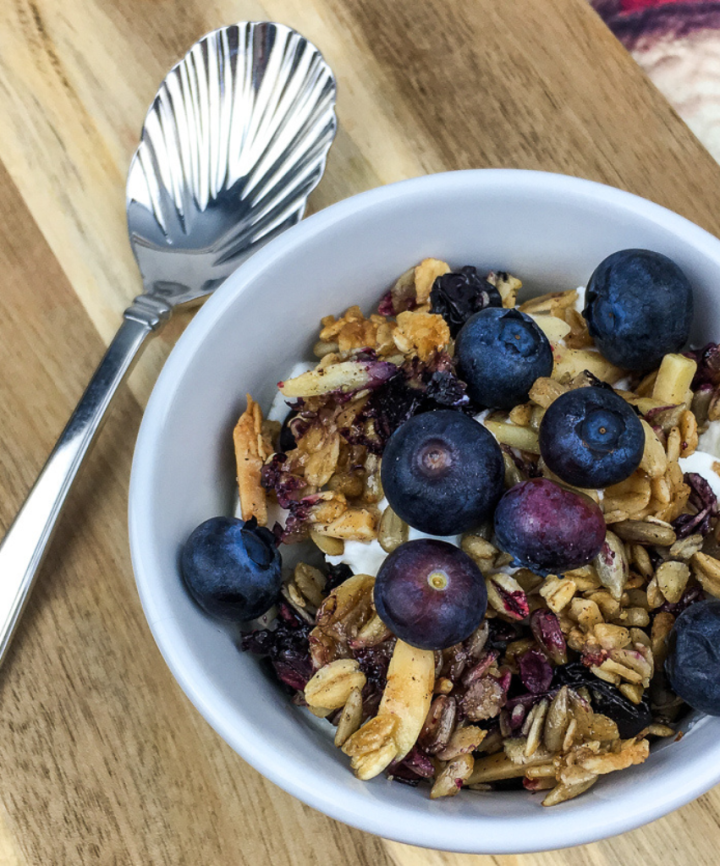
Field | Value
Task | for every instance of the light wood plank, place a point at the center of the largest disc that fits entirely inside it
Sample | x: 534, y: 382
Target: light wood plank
x: 104, y: 760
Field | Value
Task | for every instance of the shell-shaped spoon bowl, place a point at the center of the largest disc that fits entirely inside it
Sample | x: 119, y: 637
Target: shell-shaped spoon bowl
x: 232, y: 145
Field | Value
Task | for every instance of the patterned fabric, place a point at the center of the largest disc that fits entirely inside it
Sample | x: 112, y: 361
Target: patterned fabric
x: 677, y: 43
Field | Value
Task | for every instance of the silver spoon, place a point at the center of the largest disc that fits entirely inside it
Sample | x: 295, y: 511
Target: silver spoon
x: 232, y: 145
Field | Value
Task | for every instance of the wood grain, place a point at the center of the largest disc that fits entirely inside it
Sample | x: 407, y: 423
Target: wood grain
x: 104, y: 760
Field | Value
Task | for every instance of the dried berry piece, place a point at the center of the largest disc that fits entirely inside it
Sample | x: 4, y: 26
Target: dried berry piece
x: 374, y: 662
x: 287, y: 437
x: 286, y: 646
x: 337, y: 574
x: 413, y: 768
x: 606, y: 699
x: 457, y: 296
x: 418, y: 387
x: 546, y: 630
x: 501, y: 634
x: 536, y: 672
x: 277, y: 477
x: 704, y: 501
x: 708, y: 365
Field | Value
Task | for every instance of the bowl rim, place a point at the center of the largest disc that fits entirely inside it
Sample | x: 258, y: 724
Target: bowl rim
x: 489, y: 835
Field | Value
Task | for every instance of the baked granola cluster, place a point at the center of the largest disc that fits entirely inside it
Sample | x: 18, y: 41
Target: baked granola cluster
x: 563, y: 681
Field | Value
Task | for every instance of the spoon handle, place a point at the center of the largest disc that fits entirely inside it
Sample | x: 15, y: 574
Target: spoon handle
x: 24, y: 545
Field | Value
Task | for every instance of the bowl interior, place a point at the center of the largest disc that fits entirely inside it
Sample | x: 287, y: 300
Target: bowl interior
x: 550, y: 231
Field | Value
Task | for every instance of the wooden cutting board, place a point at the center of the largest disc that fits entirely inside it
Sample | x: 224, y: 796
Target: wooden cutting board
x: 103, y: 760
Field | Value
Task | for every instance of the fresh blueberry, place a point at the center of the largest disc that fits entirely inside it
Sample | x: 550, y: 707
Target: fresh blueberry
x: 430, y: 594
x: 442, y: 472
x: 639, y: 307
x: 591, y: 437
x: 457, y: 296
x: 500, y: 354
x: 693, y: 662
x: 231, y: 568
x: 547, y: 528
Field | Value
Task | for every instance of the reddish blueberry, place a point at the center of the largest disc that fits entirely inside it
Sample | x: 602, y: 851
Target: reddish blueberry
x: 430, y: 594
x: 547, y: 528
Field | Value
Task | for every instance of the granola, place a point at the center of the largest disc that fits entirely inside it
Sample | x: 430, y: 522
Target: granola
x: 563, y: 681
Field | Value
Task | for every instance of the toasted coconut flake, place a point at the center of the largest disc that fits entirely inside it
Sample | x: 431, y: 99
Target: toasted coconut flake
x: 252, y: 448
x: 407, y: 695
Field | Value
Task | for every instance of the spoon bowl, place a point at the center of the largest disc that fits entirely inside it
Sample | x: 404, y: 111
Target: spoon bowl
x: 232, y: 145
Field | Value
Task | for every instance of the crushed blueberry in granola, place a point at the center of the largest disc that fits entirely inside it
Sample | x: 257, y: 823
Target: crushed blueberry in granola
x: 562, y: 678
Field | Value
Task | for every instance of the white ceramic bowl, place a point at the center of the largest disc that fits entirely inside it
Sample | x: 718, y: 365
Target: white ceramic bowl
x: 550, y: 230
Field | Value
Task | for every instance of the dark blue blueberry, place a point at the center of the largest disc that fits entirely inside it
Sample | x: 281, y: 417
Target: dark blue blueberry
x: 693, y: 662
x: 430, y: 594
x: 442, y: 472
x: 639, y: 307
x: 591, y: 437
x: 457, y: 296
x: 231, y: 568
x: 500, y: 354
x: 547, y: 528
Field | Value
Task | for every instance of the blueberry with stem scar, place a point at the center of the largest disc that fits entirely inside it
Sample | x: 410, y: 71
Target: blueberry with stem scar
x: 442, y: 472
x: 591, y: 437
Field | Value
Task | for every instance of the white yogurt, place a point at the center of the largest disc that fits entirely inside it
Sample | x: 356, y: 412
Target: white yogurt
x: 703, y: 464
x: 710, y: 439
x: 366, y: 557
x: 278, y: 407
x: 580, y: 303
x: 363, y: 557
